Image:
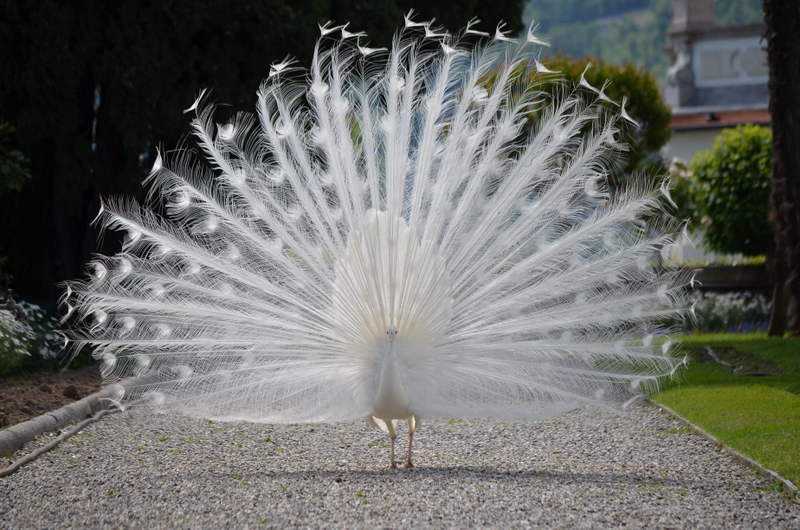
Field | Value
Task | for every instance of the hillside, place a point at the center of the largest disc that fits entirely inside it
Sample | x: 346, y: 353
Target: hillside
x: 621, y: 30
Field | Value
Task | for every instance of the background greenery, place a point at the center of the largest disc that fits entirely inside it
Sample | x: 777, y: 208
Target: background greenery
x: 725, y: 192
x: 644, y: 101
x: 623, y: 30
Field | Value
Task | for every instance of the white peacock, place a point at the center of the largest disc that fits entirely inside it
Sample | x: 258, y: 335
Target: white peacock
x: 387, y: 239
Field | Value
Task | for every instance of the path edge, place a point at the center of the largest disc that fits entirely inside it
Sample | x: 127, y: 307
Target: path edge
x: 15, y: 437
x: 789, y: 486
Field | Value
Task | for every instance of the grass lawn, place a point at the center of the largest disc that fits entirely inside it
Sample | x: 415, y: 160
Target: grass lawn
x: 752, y: 404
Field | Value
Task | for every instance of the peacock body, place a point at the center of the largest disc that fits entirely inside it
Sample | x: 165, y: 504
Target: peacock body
x: 388, y: 238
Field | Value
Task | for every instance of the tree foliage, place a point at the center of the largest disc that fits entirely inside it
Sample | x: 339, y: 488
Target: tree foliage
x: 14, y: 174
x: 14, y: 165
x: 733, y: 12
x: 644, y: 103
x: 727, y: 191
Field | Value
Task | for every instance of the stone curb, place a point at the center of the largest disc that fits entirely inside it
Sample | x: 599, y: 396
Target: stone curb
x: 749, y: 462
x: 14, y: 437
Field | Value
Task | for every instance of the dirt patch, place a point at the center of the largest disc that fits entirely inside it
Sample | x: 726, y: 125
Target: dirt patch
x: 27, y: 396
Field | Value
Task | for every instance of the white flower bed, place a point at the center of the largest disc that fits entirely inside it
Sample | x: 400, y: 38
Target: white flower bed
x: 734, y: 311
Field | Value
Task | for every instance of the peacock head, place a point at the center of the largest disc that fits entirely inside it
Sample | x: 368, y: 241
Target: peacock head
x: 391, y: 332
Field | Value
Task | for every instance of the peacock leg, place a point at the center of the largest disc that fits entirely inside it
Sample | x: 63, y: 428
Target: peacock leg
x: 392, y: 438
x: 412, y: 426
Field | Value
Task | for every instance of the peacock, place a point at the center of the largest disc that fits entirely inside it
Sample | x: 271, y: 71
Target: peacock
x: 397, y: 233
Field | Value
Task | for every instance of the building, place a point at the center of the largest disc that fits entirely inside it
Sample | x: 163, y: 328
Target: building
x: 717, y: 77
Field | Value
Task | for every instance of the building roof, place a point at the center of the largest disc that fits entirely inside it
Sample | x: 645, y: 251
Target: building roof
x: 717, y: 119
x: 718, y: 75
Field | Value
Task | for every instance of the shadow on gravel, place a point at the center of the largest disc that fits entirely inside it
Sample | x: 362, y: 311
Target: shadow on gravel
x: 459, y: 473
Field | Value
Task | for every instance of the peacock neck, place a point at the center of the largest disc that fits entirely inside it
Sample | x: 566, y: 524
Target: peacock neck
x: 391, y: 399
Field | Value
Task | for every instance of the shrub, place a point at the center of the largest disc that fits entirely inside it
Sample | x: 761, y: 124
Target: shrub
x: 726, y: 191
x: 28, y: 339
x: 643, y: 102
x: 14, y: 165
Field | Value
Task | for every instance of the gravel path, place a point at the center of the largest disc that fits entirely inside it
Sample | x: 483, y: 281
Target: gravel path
x: 583, y: 469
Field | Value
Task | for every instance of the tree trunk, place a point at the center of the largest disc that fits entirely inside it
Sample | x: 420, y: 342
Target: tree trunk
x: 782, y: 19
x: 776, y: 267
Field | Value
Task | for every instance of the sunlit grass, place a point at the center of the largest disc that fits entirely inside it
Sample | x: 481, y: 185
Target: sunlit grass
x: 757, y: 415
x: 778, y: 360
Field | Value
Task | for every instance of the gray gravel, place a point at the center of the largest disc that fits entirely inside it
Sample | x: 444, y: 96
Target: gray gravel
x: 581, y: 470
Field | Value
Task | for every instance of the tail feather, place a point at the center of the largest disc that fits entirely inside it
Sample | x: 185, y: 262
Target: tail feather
x: 431, y: 197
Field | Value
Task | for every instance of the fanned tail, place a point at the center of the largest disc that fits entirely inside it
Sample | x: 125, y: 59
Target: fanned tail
x: 430, y: 191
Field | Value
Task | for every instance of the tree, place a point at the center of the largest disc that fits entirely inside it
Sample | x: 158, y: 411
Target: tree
x: 727, y: 189
x: 644, y: 103
x: 14, y: 174
x: 14, y: 165
x: 783, y: 51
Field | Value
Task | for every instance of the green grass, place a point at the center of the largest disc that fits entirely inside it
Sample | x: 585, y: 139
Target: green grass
x: 785, y: 351
x: 751, y: 353
x: 753, y: 405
